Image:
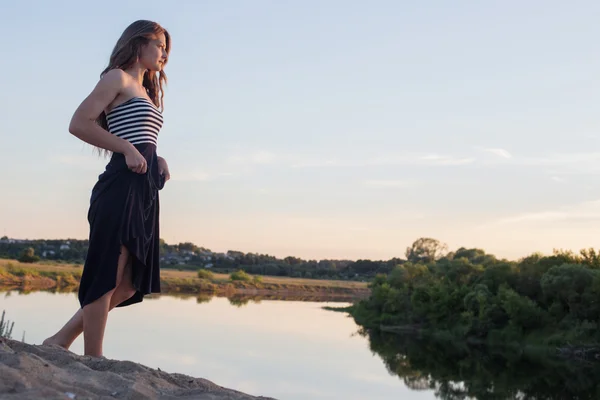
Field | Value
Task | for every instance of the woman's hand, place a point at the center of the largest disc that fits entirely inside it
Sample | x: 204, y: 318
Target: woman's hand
x: 163, y: 168
x: 135, y: 161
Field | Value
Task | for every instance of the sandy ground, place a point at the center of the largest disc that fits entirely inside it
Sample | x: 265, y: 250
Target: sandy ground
x: 49, y: 372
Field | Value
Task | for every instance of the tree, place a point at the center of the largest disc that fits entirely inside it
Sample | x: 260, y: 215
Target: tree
x: 476, y: 256
x: 293, y: 260
x: 237, y: 255
x: 425, y: 250
x: 162, y: 245
x: 187, y: 246
x: 28, y: 256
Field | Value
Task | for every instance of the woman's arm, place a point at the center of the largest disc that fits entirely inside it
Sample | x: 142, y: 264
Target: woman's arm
x: 83, y: 123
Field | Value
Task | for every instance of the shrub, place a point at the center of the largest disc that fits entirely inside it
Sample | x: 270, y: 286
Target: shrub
x: 28, y: 256
x: 240, y: 276
x: 205, y: 274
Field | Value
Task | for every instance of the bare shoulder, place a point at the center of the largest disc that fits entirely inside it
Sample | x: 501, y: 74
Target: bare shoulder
x: 115, y: 78
x: 110, y: 86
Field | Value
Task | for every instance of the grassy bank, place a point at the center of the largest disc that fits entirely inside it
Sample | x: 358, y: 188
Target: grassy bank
x: 66, y: 276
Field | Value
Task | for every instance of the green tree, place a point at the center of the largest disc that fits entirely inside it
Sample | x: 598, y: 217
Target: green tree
x: 572, y: 286
x: 293, y: 260
x: 28, y: 256
x: 522, y: 312
x: 425, y: 250
x: 187, y: 246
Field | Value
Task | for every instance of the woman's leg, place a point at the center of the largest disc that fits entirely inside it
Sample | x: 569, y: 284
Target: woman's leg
x: 124, y: 290
x: 95, y: 314
x: 74, y: 327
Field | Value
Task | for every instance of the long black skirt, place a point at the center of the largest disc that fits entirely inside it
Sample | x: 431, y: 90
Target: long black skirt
x: 124, y: 211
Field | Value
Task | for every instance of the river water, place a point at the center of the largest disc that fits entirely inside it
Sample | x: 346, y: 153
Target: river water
x: 294, y: 350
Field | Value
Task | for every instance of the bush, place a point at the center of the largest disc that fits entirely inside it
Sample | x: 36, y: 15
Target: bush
x: 28, y: 256
x: 257, y: 279
x: 205, y: 274
x: 240, y: 276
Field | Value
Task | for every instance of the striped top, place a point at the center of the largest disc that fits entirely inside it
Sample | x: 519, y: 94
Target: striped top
x: 136, y: 120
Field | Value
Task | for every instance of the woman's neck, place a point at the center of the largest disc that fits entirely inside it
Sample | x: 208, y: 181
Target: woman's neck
x: 137, y: 72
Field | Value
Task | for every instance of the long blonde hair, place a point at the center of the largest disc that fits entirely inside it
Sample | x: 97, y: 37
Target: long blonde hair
x: 126, y: 53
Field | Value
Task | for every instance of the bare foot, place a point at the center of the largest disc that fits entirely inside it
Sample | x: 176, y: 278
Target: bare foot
x: 53, y: 341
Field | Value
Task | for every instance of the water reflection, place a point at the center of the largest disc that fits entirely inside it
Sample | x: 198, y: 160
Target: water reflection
x: 283, y: 348
x: 25, y: 289
x: 460, y: 372
x: 288, y: 350
x: 238, y: 300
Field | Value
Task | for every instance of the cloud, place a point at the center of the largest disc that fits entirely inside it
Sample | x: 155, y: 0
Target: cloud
x: 260, y: 157
x: 246, y: 161
x: 199, y: 176
x: 436, y: 159
x: 91, y: 162
x: 585, y: 162
x: 589, y: 210
x: 558, y: 163
x: 544, y: 216
x: 557, y: 179
x: 313, y: 163
x: 71, y: 160
x: 385, y: 160
x: 387, y: 183
x: 498, y: 152
x: 191, y: 176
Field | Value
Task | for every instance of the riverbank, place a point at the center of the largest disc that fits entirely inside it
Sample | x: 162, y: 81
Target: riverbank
x: 50, y: 372
x: 65, y: 277
x: 539, y: 302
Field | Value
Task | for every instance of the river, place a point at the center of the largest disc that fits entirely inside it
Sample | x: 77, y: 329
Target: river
x: 294, y: 350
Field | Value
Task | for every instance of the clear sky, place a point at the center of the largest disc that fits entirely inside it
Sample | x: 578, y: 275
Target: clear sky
x: 324, y: 129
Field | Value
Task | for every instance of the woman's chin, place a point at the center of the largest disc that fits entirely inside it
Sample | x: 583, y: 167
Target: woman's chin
x: 155, y: 68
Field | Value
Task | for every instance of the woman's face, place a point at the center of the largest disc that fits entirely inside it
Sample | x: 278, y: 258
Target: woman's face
x: 154, y: 54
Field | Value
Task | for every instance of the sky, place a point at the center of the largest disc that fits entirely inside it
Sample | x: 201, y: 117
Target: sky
x: 338, y: 129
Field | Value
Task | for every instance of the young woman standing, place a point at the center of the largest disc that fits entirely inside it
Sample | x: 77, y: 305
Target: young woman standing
x: 122, y: 116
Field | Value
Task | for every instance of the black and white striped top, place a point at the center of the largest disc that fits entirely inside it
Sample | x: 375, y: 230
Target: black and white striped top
x: 136, y: 120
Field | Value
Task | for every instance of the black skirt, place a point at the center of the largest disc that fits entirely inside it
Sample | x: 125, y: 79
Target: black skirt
x: 124, y: 211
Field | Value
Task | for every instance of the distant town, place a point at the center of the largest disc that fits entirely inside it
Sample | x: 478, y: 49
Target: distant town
x: 75, y: 250
x: 188, y: 256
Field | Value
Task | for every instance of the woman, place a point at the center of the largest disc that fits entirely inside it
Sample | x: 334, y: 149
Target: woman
x: 121, y: 116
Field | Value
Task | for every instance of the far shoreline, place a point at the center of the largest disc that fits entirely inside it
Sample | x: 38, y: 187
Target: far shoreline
x: 15, y: 275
